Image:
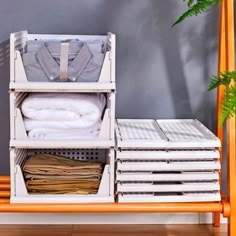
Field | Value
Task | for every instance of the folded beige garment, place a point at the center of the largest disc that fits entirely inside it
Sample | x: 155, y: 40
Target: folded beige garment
x: 88, y: 177
x: 52, y: 161
x: 63, y: 186
x: 51, y: 174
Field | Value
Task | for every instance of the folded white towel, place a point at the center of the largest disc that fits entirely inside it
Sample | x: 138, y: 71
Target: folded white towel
x: 63, y: 110
x: 81, y: 124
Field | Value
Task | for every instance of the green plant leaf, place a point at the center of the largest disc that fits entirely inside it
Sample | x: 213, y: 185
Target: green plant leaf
x: 214, y: 83
x: 199, y: 7
x: 190, y: 3
x: 228, y: 105
x: 229, y: 102
x: 224, y: 78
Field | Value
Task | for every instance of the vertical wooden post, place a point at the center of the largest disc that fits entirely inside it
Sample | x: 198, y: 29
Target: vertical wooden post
x: 220, y: 91
x: 231, y: 124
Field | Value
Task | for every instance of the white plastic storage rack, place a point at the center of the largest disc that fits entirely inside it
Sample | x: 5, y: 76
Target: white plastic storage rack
x: 19, y: 193
x: 20, y: 139
x: 20, y: 88
x: 101, y: 148
x: 19, y: 82
x: 166, y: 161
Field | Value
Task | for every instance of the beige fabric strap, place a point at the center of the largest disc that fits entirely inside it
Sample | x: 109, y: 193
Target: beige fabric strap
x: 64, y: 56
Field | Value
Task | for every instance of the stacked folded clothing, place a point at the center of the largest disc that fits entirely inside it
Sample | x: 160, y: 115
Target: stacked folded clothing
x: 63, y: 115
x: 84, y: 60
x: 50, y: 174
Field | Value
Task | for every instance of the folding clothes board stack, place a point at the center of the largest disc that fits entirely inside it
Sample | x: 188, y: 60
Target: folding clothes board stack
x: 62, y: 105
x: 166, y: 161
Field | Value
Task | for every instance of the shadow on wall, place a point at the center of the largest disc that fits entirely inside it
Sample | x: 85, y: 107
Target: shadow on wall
x: 190, y: 54
x: 4, y: 106
x: 172, y: 57
x: 151, y: 70
x: 163, y: 72
x: 206, y: 58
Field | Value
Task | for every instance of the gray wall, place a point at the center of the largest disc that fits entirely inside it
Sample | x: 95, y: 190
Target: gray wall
x: 162, y: 72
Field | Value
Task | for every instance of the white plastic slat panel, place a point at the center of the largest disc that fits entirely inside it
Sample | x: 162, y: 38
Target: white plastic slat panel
x: 170, y: 187
x: 77, y: 154
x: 168, y: 155
x: 168, y: 166
x: 140, y: 130
x: 183, y: 197
x: 139, y: 134
x: 188, y: 131
x: 166, y: 177
x: 164, y: 134
x: 63, y: 87
x: 65, y: 37
x: 67, y: 144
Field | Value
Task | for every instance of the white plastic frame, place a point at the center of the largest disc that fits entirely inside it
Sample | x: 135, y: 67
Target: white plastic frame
x: 19, y: 82
x: 141, y: 155
x: 185, y: 197
x: 20, y: 139
x: 168, y: 166
x: 167, y: 177
x: 19, y: 193
x: 168, y: 187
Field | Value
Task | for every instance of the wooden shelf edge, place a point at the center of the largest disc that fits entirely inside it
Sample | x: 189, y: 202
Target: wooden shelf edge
x: 5, y: 206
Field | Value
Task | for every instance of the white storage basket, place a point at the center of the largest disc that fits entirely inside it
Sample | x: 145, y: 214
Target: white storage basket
x: 20, y: 139
x: 19, y: 82
x: 105, y: 193
x: 166, y: 161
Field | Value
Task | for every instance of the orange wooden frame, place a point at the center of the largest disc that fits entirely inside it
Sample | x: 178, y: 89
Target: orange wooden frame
x: 227, y: 62
x: 5, y: 206
x: 228, y: 204
x: 231, y: 124
x: 220, y: 91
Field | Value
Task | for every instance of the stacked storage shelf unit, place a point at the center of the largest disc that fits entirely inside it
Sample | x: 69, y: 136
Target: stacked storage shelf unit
x: 166, y: 161
x: 100, y: 148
